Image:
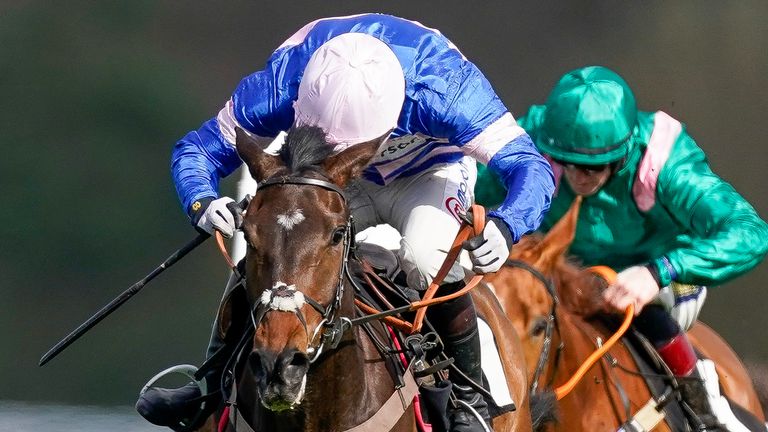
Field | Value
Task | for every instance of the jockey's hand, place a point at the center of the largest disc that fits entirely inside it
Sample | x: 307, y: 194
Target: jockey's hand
x: 222, y: 214
x: 490, y: 250
x: 635, y: 285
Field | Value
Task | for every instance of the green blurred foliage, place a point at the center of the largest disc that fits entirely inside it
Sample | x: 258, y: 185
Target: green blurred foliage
x: 89, y: 111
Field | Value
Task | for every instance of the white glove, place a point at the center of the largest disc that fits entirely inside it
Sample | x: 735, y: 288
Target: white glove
x: 635, y: 285
x: 490, y: 250
x: 220, y: 214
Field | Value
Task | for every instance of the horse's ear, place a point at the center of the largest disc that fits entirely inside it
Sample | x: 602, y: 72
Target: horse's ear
x: 261, y: 164
x: 350, y: 163
x: 559, y: 238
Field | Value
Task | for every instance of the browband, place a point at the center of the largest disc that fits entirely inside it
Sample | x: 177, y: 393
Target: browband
x: 284, y: 180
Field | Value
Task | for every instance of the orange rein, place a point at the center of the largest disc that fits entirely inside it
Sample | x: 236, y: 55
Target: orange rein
x: 466, y: 230
x: 223, y: 250
x: 429, y: 299
x: 610, y: 276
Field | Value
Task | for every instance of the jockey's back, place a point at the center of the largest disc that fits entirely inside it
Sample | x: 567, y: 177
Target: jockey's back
x: 442, y: 88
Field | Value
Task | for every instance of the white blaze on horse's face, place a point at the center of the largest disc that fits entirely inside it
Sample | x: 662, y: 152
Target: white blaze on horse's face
x: 290, y: 219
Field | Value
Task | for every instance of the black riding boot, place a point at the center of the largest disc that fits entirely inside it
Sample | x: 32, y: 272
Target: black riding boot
x: 673, y: 346
x: 456, y: 323
x: 693, y: 393
x: 179, y: 408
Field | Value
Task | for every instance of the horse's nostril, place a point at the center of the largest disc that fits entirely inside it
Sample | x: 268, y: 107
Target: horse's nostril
x: 299, y: 359
x: 287, y: 367
x: 294, y: 366
x: 262, y: 364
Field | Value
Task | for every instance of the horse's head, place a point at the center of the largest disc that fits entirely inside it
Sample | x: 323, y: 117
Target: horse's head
x: 298, y: 231
x: 531, y: 283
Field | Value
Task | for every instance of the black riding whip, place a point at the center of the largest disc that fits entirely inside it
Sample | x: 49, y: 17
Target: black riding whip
x: 122, y: 298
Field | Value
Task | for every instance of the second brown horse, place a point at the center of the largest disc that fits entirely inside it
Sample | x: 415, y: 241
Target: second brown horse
x: 595, y: 404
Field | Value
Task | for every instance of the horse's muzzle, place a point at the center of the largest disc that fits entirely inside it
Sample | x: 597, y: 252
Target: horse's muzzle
x: 281, y: 377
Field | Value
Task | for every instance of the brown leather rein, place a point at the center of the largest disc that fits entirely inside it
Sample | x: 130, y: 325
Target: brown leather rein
x: 398, y: 402
x: 468, y: 229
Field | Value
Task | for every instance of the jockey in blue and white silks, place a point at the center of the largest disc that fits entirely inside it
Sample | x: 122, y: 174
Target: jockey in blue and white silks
x: 450, y: 110
x: 378, y: 77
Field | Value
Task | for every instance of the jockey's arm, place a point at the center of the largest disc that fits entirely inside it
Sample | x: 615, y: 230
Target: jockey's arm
x: 489, y: 189
x: 728, y: 237
x: 479, y: 122
x: 202, y: 157
x: 199, y: 160
x: 529, y: 182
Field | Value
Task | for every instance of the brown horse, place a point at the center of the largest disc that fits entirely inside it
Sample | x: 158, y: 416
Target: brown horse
x: 596, y: 403
x: 306, y: 367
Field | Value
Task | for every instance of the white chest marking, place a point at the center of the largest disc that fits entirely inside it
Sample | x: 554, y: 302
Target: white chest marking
x: 290, y: 219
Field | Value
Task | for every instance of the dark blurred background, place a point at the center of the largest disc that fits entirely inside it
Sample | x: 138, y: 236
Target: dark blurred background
x: 94, y: 94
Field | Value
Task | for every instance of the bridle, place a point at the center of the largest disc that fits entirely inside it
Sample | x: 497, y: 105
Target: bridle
x: 332, y: 326
x: 609, y: 275
x: 551, y: 320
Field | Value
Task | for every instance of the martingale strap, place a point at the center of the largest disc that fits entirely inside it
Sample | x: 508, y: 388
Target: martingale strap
x: 384, y: 419
x: 393, y: 409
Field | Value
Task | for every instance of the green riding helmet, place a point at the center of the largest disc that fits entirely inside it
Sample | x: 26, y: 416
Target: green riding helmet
x: 590, y: 118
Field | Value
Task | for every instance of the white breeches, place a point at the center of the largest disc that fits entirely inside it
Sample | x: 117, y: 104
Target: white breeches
x: 422, y: 208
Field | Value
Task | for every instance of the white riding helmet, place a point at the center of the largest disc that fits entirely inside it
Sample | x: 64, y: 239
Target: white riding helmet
x: 353, y: 88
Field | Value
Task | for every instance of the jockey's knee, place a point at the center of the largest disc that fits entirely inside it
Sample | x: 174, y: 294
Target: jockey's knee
x: 454, y: 317
x: 421, y: 261
x: 656, y: 324
x: 683, y: 302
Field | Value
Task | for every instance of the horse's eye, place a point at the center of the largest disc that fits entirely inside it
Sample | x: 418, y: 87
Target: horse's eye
x: 338, y: 235
x: 539, y: 326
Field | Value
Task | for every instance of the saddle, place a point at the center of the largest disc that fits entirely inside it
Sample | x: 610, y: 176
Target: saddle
x: 411, y: 360
x: 382, y: 285
x: 662, y: 384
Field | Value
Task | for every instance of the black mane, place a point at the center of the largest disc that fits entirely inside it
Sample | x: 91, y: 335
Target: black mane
x: 305, y: 148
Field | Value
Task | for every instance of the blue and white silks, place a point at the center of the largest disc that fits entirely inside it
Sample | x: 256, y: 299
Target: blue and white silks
x: 450, y: 110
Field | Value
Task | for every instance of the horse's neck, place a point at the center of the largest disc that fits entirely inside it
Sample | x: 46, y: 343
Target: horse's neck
x: 603, y: 393
x: 345, y: 387
x: 577, y: 339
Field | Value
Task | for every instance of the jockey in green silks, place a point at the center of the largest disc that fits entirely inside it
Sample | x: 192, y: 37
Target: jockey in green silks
x: 653, y: 210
